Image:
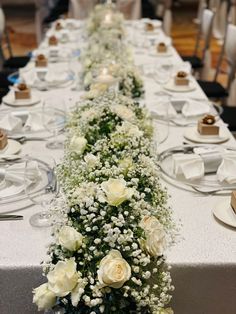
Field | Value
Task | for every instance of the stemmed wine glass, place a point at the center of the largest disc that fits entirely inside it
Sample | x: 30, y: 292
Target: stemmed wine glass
x: 41, y: 197
x: 54, y: 119
x: 162, y: 75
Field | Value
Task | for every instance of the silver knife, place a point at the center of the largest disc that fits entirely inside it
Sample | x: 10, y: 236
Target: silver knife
x: 4, y: 217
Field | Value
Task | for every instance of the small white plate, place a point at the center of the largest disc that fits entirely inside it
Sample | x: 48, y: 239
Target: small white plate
x: 171, y: 86
x: 193, y: 135
x: 10, y: 100
x: 224, y: 212
x: 13, y: 147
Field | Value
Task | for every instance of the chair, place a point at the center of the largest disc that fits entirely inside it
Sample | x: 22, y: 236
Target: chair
x: 11, y: 63
x: 130, y: 8
x: 80, y: 9
x: 203, y: 63
x: 229, y: 116
x: 213, y: 89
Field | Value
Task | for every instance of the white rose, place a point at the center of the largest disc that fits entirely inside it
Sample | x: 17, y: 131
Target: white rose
x: 78, y: 144
x: 69, y: 238
x: 116, y: 191
x: 43, y: 297
x: 63, y: 278
x: 130, y: 129
x: 155, y: 242
x: 113, y: 271
x: 91, y: 160
x: 123, y: 112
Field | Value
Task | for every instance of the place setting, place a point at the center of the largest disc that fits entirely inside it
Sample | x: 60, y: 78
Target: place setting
x: 208, y: 170
x: 25, y: 181
x: 225, y: 210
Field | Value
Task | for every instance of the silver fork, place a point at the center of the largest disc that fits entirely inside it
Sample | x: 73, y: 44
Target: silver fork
x: 213, y: 191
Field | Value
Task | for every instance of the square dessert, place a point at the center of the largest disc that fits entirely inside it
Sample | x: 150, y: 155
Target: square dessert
x: 162, y: 48
x: 206, y: 126
x: 181, y: 79
x: 149, y: 27
x: 3, y: 139
x: 58, y: 26
x: 233, y: 201
x: 41, y: 61
x: 52, y: 41
x: 22, y: 92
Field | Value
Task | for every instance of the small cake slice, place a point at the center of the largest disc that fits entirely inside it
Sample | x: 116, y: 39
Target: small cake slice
x: 22, y: 92
x: 162, y: 48
x: 149, y: 27
x: 181, y: 79
x: 206, y: 126
x: 52, y: 41
x: 233, y: 201
x: 41, y: 61
x: 58, y: 26
x: 3, y: 139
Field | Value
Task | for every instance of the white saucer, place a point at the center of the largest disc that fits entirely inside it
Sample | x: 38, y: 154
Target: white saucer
x: 13, y: 147
x: 224, y: 212
x: 171, y: 86
x: 10, y: 100
x: 193, y: 135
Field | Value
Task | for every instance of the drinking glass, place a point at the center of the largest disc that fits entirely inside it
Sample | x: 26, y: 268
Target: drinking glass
x: 54, y: 119
x: 162, y: 74
x: 44, y: 197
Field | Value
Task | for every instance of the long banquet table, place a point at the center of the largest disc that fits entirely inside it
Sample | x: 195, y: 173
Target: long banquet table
x: 203, y: 259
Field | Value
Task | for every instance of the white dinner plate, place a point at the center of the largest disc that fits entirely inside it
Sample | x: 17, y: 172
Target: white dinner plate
x: 193, y: 135
x: 171, y: 86
x: 10, y: 100
x: 13, y: 147
x: 224, y: 212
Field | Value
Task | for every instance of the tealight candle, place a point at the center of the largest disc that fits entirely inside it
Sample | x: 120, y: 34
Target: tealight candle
x: 105, y: 77
x: 108, y: 19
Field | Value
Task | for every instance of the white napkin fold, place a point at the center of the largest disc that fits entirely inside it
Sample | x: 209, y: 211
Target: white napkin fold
x: 17, y: 173
x: 194, y: 108
x: 164, y: 110
x: 34, y: 122
x: 11, y: 123
x: 29, y: 76
x: 189, y: 165
x: 211, y: 156
x: 227, y: 169
x: 56, y: 77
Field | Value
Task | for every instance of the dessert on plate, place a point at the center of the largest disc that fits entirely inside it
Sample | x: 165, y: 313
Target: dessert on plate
x: 162, y: 48
x: 181, y: 79
x: 206, y: 126
x: 3, y: 139
x: 22, y: 91
x: 41, y: 61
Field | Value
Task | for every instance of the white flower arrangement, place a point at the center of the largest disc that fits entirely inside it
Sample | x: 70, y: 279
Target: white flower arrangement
x: 110, y: 254
x: 106, y: 43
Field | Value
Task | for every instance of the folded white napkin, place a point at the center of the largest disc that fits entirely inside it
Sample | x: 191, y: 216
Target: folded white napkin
x: 227, y: 169
x: 211, y: 156
x: 29, y: 76
x: 56, y: 77
x: 36, y: 121
x: 189, y: 165
x: 164, y: 110
x: 194, y: 108
x: 11, y: 123
x: 17, y: 173
x: 13, y: 178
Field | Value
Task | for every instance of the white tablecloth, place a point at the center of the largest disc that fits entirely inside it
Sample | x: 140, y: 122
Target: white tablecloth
x: 203, y: 261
